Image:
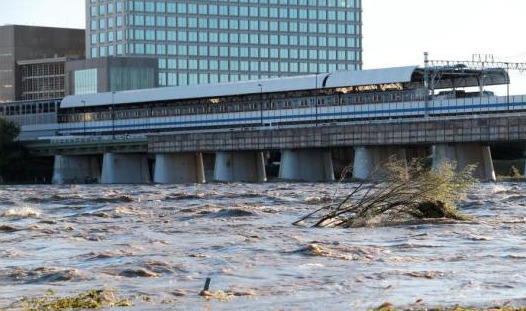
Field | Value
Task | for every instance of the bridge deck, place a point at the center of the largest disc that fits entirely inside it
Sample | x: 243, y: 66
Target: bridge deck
x: 485, y: 128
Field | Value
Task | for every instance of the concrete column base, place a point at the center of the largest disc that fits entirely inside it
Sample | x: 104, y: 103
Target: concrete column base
x: 75, y: 170
x: 367, y: 159
x: 310, y: 165
x: 179, y: 168
x: 465, y: 154
x: 245, y: 166
x: 125, y: 169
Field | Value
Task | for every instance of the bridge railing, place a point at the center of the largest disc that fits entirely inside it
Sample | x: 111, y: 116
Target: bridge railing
x: 94, y: 139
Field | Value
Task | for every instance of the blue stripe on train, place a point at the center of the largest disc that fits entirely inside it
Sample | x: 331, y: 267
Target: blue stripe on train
x: 311, y: 115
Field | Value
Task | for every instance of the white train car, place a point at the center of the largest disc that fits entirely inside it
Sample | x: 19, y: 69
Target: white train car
x: 344, y: 96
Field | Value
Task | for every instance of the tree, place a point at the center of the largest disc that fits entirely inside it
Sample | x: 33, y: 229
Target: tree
x: 397, y: 192
x: 13, y: 154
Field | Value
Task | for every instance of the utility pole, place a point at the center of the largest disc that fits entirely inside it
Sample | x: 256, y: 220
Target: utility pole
x: 261, y: 103
x: 112, y: 109
x: 84, y: 117
x: 316, y: 90
x: 508, y: 84
x: 426, y: 82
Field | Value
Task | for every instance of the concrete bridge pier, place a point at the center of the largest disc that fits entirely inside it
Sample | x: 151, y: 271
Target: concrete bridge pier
x: 240, y: 166
x: 466, y: 154
x: 123, y: 168
x: 179, y: 168
x: 367, y: 159
x: 310, y: 165
x: 75, y: 169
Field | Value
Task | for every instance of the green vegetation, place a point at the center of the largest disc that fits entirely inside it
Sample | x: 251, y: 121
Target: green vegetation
x: 400, y: 192
x: 13, y: 155
x: 509, y: 169
x: 390, y: 307
x: 92, y: 299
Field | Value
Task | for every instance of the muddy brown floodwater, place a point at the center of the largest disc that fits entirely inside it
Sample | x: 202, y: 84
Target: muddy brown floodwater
x: 162, y: 242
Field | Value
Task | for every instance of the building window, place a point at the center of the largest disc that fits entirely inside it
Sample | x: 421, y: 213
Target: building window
x: 85, y: 81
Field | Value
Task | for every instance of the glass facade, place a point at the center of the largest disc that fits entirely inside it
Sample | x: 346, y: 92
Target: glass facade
x: 131, y: 78
x: 85, y: 81
x: 208, y: 41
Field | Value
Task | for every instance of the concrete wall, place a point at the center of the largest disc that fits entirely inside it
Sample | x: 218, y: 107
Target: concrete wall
x: 248, y: 166
x: 178, y: 168
x: 76, y: 170
x: 125, y: 169
x: 464, y: 154
x: 311, y: 165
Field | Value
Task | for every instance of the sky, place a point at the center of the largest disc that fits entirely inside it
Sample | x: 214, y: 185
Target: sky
x: 396, y: 32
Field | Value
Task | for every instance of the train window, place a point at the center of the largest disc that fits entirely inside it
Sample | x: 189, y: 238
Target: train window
x: 296, y: 103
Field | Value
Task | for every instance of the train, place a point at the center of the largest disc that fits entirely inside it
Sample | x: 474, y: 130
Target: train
x: 321, y: 99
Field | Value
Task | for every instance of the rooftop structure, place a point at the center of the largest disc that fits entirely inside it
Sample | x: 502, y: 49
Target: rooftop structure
x: 379, y: 80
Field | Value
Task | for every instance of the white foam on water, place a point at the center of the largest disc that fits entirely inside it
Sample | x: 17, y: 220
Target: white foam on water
x: 21, y: 212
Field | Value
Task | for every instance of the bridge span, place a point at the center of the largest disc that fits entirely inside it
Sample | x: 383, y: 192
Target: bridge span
x: 307, y: 152
x: 310, y: 126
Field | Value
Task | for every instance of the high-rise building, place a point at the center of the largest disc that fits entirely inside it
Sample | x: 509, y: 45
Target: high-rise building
x: 208, y: 41
x: 32, y: 60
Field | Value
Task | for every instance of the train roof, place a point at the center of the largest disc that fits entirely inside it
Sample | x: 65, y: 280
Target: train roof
x: 407, y: 74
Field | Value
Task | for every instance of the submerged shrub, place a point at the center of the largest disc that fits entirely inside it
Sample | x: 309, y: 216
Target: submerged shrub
x: 400, y: 191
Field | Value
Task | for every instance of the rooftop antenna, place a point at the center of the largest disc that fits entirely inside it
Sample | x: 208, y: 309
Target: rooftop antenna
x: 426, y: 81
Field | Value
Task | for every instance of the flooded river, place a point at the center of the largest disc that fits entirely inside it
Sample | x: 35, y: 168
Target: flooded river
x: 162, y: 242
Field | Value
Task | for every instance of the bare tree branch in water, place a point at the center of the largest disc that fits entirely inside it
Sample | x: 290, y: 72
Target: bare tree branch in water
x: 399, y: 191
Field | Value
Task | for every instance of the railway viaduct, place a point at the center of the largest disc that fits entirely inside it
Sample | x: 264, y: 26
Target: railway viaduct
x: 307, y: 153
